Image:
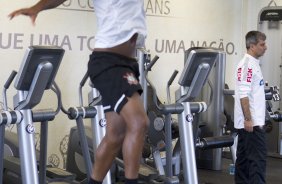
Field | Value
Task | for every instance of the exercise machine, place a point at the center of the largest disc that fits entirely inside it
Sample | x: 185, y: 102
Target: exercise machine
x: 211, y: 123
x: 194, y: 75
x: 91, y: 136
x: 269, y: 22
x: 78, y: 114
x: 199, y: 64
x: 94, y: 136
x: 36, y: 74
x: 49, y: 174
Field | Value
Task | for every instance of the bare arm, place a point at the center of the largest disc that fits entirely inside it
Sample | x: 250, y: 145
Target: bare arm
x: 33, y: 11
x: 247, y: 114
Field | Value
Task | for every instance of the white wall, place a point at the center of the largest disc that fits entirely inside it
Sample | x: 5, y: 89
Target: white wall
x: 173, y: 26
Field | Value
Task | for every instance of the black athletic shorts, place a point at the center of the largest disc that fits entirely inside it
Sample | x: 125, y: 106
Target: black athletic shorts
x: 115, y: 77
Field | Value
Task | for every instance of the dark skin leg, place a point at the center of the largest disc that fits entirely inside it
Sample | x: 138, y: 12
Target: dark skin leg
x: 137, y: 123
x: 124, y: 131
x: 109, y: 146
x: 127, y: 131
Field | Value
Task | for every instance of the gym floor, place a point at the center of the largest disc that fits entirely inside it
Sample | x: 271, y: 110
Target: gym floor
x: 273, y: 173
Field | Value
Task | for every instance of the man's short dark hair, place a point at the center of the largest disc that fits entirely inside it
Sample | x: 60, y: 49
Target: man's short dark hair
x: 253, y: 37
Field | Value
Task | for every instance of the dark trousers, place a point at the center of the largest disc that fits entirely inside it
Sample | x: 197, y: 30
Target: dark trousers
x: 250, y: 164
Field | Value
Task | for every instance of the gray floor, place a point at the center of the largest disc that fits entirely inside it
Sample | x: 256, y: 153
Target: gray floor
x: 273, y: 173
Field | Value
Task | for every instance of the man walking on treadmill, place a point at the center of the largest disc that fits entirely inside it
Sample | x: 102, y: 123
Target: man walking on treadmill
x: 114, y: 72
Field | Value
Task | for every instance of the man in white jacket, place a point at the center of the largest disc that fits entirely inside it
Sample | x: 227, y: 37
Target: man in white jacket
x: 249, y: 113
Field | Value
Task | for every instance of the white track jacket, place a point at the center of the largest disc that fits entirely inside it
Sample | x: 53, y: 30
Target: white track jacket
x: 249, y: 83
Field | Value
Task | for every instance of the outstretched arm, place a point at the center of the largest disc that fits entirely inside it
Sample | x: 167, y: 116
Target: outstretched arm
x: 33, y: 11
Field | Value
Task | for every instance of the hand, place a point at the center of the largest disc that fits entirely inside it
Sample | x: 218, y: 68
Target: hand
x: 248, y: 125
x: 31, y: 12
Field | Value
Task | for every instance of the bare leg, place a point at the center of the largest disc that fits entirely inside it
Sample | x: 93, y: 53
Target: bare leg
x: 109, y: 146
x: 126, y: 131
x: 136, y: 126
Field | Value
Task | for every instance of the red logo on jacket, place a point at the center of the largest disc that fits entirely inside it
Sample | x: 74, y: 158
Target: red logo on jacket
x: 249, y: 75
x: 239, y: 74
